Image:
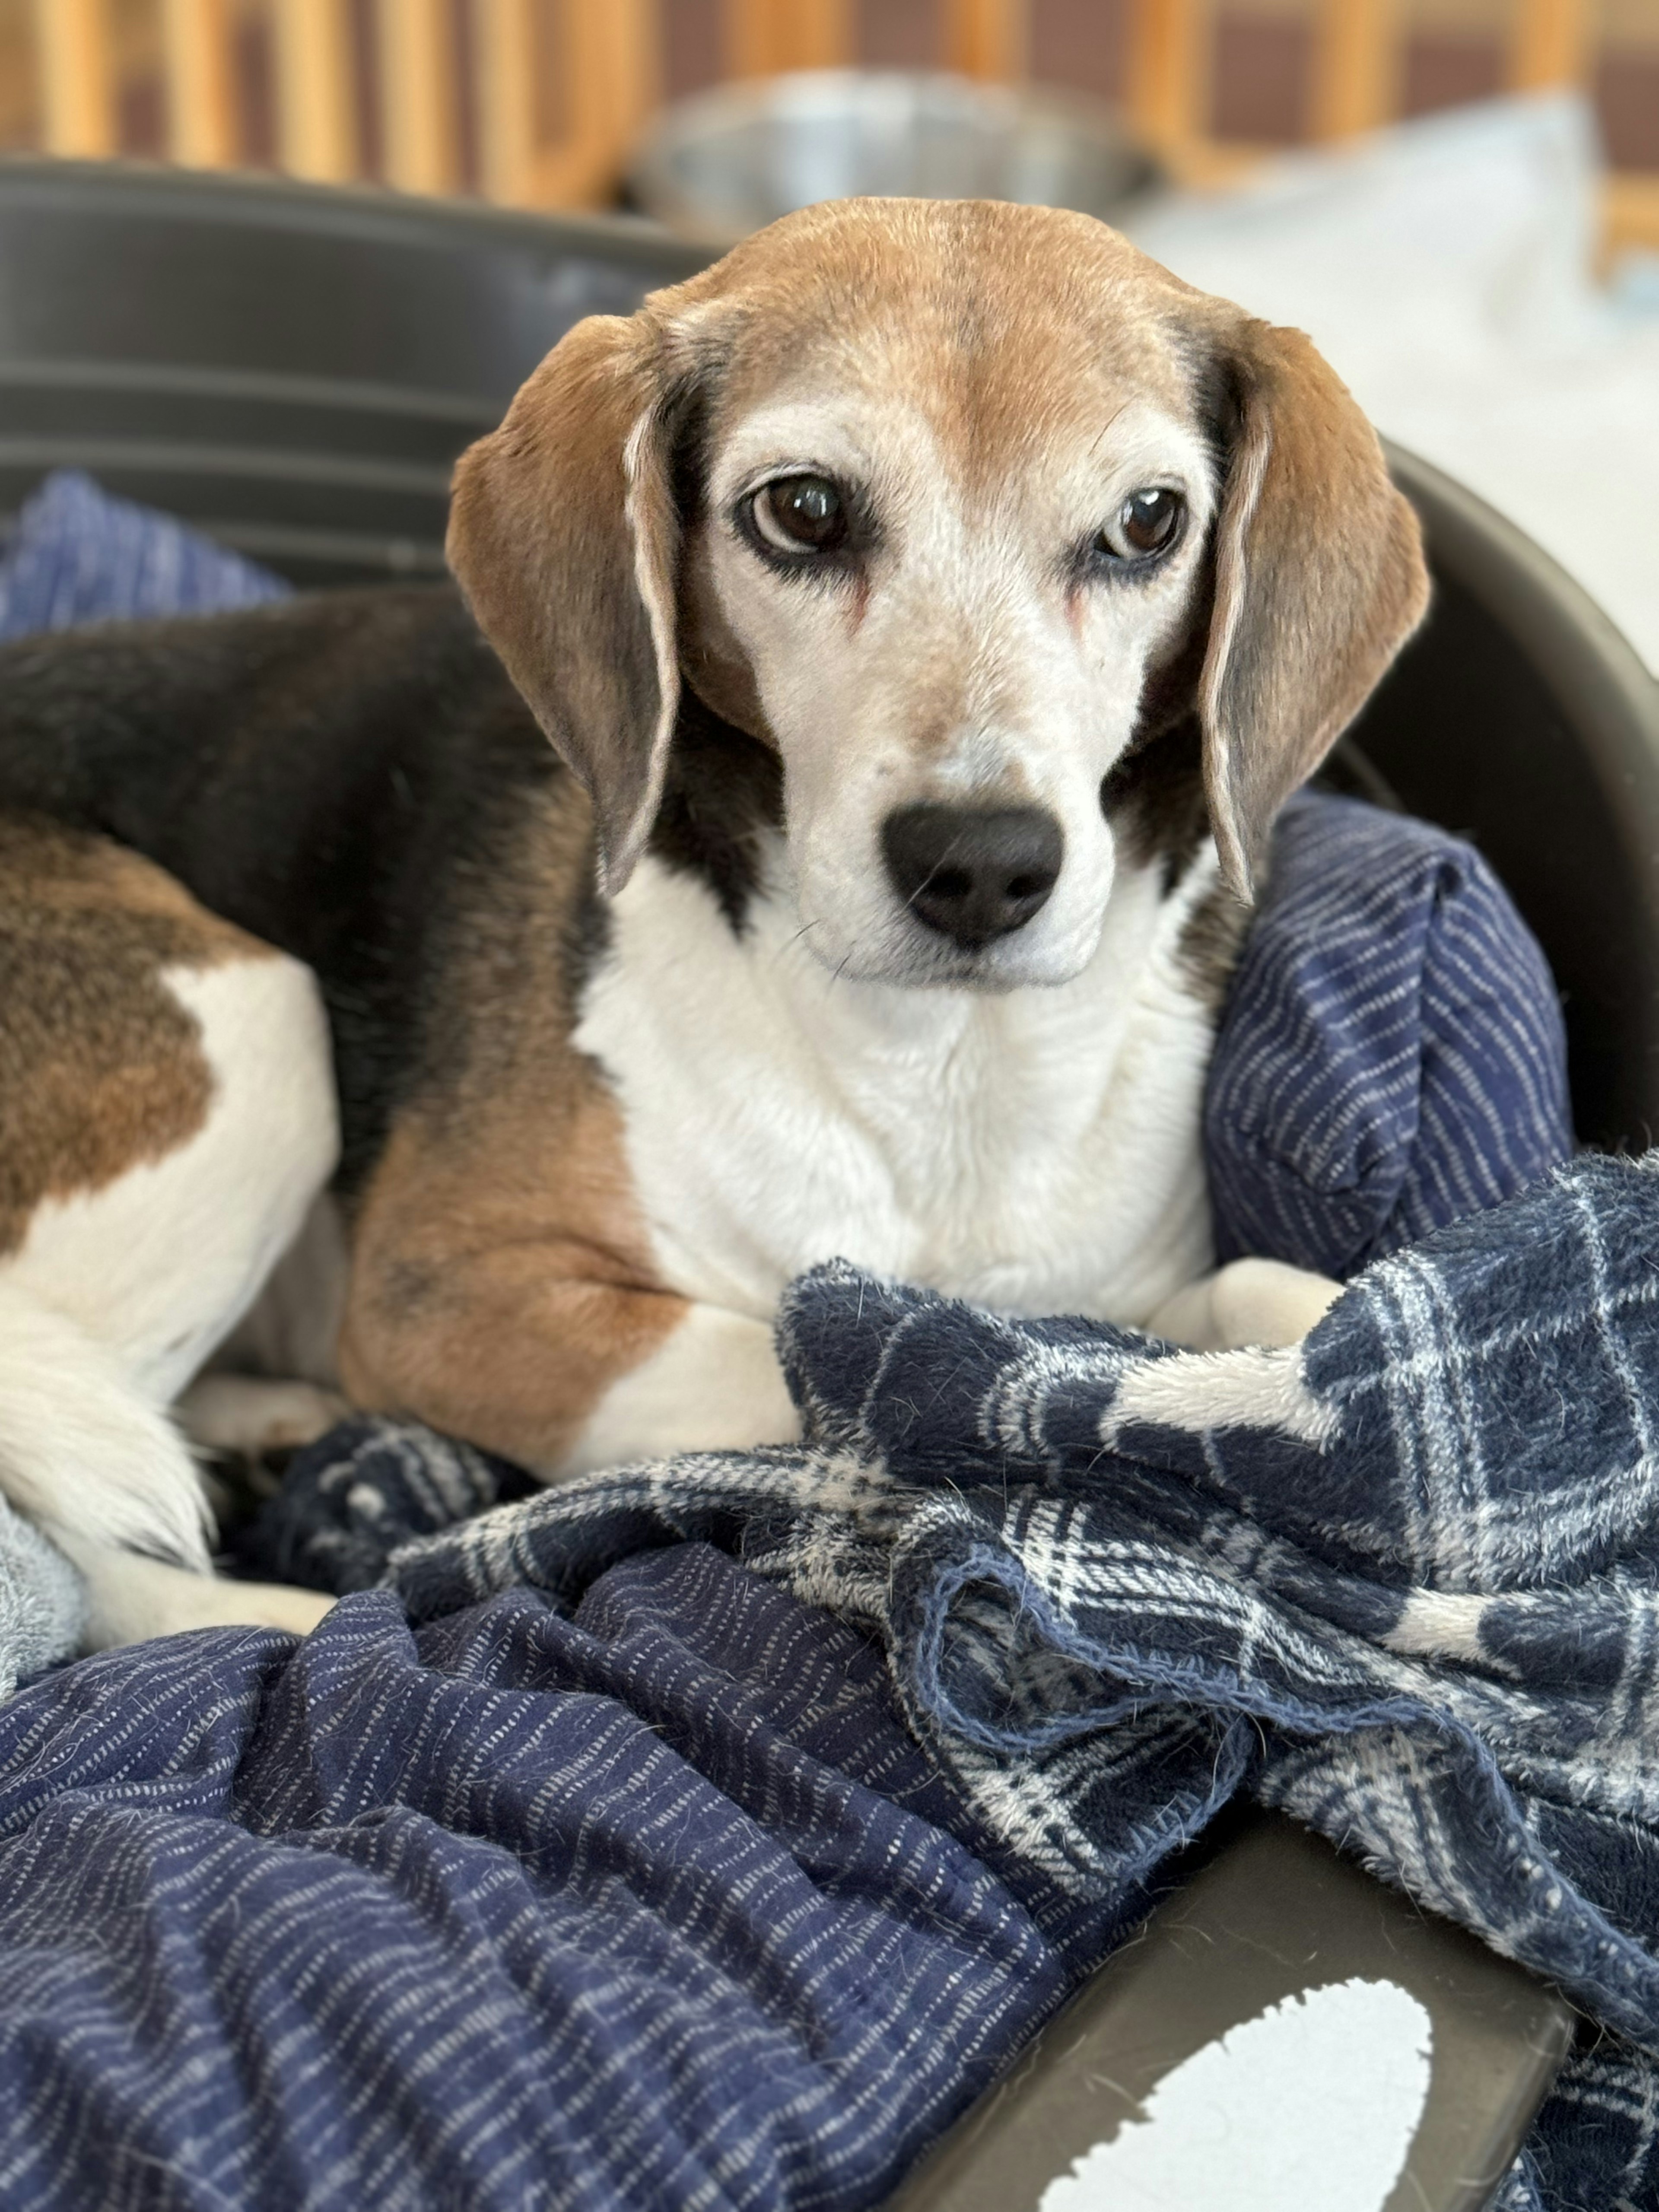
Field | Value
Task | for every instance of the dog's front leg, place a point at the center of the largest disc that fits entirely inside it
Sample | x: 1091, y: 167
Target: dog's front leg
x: 505, y: 1288
x: 1246, y: 1302
x: 131, y: 1599
x: 714, y: 1384
x: 560, y: 1372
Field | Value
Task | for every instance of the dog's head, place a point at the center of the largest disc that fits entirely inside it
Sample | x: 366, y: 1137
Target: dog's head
x: 968, y: 511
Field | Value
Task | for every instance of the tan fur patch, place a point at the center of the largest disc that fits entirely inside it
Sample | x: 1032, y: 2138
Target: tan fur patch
x: 501, y: 1278
x: 102, y: 1067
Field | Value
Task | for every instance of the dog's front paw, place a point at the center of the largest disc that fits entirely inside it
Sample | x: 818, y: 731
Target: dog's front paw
x: 1246, y: 1302
x: 131, y: 1599
x: 252, y: 1415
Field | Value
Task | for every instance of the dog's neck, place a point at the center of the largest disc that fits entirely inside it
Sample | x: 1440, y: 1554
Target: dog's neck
x: 1036, y: 1149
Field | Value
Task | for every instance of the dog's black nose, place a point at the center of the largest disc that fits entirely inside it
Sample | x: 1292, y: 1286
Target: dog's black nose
x: 973, y: 873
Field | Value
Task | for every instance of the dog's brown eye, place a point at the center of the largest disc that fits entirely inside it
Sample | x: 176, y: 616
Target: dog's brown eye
x: 800, y: 514
x: 1146, y: 524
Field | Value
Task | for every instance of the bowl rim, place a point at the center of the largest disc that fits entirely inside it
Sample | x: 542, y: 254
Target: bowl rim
x: 653, y: 186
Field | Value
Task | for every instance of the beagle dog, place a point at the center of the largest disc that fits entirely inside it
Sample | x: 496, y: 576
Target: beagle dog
x: 929, y: 606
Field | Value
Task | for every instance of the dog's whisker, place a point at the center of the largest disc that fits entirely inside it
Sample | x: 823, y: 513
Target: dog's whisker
x: 791, y: 942
x: 1106, y: 429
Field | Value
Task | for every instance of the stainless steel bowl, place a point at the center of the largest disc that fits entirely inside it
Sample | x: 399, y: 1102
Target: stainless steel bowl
x: 719, y: 165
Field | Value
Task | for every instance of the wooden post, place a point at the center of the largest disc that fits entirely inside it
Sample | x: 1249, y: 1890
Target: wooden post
x: 612, y: 71
x: 622, y: 48
x: 418, y: 121
x: 1632, y: 201
x: 507, y: 101
x: 1550, y: 45
x: 1169, y: 74
x: 77, y: 78
x: 987, y: 37
x: 316, y: 133
x: 1356, y: 67
x: 764, y: 36
x: 202, y: 123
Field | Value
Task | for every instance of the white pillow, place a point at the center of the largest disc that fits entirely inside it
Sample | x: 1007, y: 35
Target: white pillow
x: 1445, y: 268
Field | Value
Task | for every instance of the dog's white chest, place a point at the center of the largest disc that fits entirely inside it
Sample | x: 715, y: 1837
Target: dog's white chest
x: 1037, y: 1152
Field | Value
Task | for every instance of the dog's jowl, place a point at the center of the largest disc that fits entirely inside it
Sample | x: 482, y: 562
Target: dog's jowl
x: 929, y: 607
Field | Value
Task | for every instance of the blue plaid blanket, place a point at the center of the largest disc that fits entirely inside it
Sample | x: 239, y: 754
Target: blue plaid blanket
x: 1402, y: 1581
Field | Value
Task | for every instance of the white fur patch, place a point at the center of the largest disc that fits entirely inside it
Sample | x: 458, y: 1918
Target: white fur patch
x: 1035, y: 1150
x: 131, y: 1599
x: 714, y: 1385
x: 163, y: 1260
x: 83, y: 1449
x: 116, y: 1295
x: 1246, y: 1302
x: 251, y: 1413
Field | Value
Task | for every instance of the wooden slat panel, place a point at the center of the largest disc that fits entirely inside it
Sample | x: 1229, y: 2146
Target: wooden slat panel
x: 418, y: 120
x: 1551, y: 43
x: 612, y: 53
x: 628, y: 63
x: 1169, y: 75
x: 1356, y: 67
x: 763, y: 36
x: 316, y: 133
x: 610, y: 60
x: 201, y: 115
x: 1632, y: 211
x: 987, y: 37
x: 77, y: 78
x: 507, y: 101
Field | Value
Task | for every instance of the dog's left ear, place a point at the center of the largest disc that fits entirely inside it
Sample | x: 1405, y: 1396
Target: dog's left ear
x: 565, y: 535
x: 1319, y: 580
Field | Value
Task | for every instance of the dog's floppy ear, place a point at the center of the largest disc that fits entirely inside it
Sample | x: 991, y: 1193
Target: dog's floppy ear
x: 564, y: 535
x: 1319, y: 580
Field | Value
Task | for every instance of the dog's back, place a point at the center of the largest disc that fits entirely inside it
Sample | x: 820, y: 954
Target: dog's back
x: 324, y: 773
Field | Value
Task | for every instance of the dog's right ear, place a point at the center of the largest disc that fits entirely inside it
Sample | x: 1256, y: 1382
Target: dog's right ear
x: 564, y: 535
